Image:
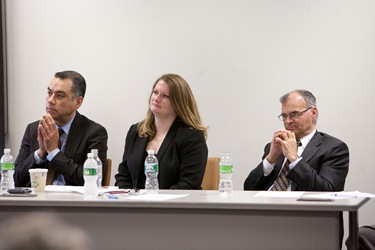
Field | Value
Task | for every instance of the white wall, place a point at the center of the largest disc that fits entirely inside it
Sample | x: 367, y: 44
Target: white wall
x: 238, y: 56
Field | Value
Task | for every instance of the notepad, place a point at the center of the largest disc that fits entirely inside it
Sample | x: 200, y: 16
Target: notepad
x: 282, y: 194
x: 76, y: 189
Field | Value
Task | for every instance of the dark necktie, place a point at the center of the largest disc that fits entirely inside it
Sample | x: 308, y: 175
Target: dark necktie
x: 51, y: 169
x: 61, y: 131
x: 281, y: 183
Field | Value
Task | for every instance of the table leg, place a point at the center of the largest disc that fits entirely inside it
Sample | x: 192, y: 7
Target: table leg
x: 353, y: 231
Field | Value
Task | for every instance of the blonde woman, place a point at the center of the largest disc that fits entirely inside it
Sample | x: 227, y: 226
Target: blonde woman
x: 173, y: 129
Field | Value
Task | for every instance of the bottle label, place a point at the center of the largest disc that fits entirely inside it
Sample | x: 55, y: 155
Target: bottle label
x: 90, y: 171
x: 226, y: 168
x: 151, y: 168
x: 7, y: 166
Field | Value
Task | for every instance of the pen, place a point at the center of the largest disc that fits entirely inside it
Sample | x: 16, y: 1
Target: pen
x: 113, y: 197
x: 345, y: 195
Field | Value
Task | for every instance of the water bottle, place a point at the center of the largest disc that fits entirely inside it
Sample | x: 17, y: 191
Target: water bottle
x: 100, y: 168
x: 90, y: 175
x: 226, y: 171
x: 7, y: 171
x: 151, y: 172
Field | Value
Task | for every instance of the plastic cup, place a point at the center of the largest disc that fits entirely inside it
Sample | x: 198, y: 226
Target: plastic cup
x: 38, y: 177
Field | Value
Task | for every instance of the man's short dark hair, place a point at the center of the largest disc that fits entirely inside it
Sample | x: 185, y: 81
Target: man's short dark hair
x: 79, y: 83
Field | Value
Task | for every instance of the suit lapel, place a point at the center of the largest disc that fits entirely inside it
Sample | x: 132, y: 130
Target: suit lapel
x: 140, y: 159
x: 168, y: 138
x: 75, y: 136
x: 310, y: 150
x: 312, y: 147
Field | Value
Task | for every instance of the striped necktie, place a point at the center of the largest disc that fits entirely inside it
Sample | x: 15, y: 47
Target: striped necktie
x: 281, y: 183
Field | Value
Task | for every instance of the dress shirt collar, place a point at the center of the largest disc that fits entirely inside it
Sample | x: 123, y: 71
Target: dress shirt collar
x: 67, y: 126
x: 306, y: 139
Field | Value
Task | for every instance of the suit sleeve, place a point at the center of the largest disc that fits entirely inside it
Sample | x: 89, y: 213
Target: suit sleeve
x: 123, y: 177
x: 193, y: 159
x: 256, y: 179
x: 25, y: 159
x: 325, y: 172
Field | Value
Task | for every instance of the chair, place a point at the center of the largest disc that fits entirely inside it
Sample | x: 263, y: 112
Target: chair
x: 366, y: 238
x: 107, y: 172
x: 211, y: 175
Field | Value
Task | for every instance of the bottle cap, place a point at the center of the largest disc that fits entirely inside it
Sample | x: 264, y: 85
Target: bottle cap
x: 90, y: 155
x: 94, y: 151
x: 6, y: 150
x: 151, y: 152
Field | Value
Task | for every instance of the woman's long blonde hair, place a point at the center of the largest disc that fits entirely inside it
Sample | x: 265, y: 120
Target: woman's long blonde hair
x: 183, y: 102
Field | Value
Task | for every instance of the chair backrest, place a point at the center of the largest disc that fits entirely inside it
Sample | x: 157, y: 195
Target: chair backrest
x: 366, y: 238
x: 107, y: 172
x: 211, y: 175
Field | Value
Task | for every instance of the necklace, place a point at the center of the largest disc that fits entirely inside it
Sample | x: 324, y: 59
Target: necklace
x: 159, y: 140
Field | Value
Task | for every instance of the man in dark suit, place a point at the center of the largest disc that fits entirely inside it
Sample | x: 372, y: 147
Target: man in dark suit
x: 61, y: 139
x: 318, y: 162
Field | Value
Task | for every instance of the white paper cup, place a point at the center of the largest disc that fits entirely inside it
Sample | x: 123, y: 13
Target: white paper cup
x: 38, y: 177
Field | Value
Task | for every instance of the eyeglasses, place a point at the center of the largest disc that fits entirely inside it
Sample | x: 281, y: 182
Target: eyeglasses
x: 293, y: 115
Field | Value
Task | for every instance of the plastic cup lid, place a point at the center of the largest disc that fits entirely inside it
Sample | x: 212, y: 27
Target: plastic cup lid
x: 38, y: 170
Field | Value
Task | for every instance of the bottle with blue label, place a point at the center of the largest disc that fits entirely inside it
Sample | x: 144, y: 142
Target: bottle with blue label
x: 151, y: 172
x: 7, y: 171
x: 226, y: 171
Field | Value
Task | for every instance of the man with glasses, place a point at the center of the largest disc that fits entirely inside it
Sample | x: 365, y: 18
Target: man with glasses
x: 318, y: 162
x: 300, y: 158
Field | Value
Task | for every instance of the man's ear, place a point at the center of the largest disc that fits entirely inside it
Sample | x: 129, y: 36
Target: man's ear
x: 79, y: 101
x: 314, y: 111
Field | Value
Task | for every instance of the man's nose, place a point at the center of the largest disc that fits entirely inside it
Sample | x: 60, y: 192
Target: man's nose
x: 51, y: 98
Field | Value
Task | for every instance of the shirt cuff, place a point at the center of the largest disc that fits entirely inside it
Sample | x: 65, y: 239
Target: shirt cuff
x: 52, y: 154
x: 37, y: 158
x: 267, y: 167
x: 293, y: 164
